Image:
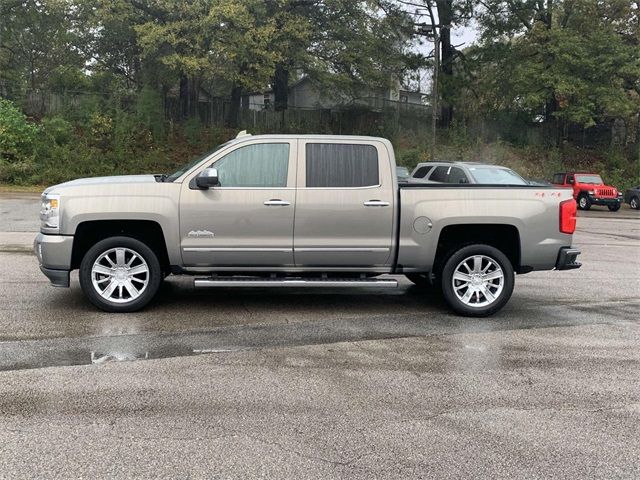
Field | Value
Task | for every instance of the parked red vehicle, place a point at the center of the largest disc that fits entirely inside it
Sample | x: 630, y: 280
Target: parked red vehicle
x: 589, y: 189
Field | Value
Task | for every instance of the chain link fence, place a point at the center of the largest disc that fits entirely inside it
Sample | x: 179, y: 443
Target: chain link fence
x: 365, y: 116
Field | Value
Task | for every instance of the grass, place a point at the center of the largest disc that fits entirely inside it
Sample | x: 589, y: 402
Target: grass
x: 7, y: 188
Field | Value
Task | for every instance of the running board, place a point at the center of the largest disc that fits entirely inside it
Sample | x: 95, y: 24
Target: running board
x: 293, y: 282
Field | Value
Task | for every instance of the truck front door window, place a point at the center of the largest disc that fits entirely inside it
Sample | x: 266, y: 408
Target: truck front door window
x: 421, y: 172
x: 260, y: 165
x: 439, y: 174
x: 247, y: 221
x: 457, y: 175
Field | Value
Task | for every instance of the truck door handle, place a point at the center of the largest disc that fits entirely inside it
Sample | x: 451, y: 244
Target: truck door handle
x: 276, y: 202
x: 376, y: 203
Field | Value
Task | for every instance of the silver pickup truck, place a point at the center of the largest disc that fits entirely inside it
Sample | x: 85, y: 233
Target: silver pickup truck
x: 300, y: 211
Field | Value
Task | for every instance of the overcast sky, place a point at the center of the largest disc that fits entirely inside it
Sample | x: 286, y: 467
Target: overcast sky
x: 466, y: 35
x: 460, y: 37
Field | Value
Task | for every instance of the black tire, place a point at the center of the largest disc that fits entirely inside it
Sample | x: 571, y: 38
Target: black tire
x: 498, y: 258
x: 634, y: 203
x: 155, y: 274
x: 614, y: 208
x: 583, y: 202
x: 419, y: 279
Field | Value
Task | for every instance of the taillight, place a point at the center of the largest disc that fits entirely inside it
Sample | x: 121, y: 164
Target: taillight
x: 568, y: 210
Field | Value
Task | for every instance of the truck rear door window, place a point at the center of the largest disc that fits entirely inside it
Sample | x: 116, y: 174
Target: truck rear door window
x: 341, y: 165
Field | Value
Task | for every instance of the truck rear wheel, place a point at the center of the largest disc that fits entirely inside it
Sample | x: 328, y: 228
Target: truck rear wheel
x: 477, y: 280
x: 120, y: 274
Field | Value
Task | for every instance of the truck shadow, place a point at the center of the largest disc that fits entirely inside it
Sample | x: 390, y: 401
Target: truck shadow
x: 176, y: 294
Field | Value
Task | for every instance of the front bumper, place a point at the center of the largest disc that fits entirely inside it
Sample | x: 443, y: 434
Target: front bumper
x: 54, y: 256
x: 567, y: 259
x: 58, y: 278
x: 604, y: 201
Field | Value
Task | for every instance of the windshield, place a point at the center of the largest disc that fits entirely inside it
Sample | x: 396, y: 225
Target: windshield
x: 593, y: 179
x: 496, y: 176
x: 182, y: 170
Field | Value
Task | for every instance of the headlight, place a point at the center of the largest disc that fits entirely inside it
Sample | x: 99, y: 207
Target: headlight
x: 591, y: 192
x: 50, y: 211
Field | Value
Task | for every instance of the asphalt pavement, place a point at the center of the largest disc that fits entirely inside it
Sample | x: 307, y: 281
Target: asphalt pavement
x: 259, y: 383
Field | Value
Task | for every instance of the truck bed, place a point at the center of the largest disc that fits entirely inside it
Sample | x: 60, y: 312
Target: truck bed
x: 429, y: 212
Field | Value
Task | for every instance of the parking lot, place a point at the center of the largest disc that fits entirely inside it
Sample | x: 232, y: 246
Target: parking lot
x: 313, y: 384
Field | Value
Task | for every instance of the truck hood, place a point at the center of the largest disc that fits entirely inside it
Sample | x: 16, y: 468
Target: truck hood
x: 103, y: 181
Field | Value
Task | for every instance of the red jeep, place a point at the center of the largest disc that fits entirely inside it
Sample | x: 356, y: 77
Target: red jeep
x: 589, y: 189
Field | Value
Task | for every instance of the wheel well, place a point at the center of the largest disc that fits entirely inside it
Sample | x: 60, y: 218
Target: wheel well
x: 505, y: 238
x: 147, y: 231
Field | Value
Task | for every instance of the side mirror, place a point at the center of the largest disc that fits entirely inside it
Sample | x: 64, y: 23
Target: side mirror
x: 571, y: 180
x: 207, y: 178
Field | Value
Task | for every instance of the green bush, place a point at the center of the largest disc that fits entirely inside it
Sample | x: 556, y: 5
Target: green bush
x: 410, y: 157
x: 17, y: 135
x: 150, y: 111
x: 58, y: 130
x: 193, y: 131
x: 18, y: 172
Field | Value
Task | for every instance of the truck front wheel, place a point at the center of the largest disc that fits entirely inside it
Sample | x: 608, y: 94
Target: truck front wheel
x: 477, y: 280
x: 120, y: 274
x: 583, y: 202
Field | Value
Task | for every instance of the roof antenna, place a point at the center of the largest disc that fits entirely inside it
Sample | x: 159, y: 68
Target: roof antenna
x: 243, y: 133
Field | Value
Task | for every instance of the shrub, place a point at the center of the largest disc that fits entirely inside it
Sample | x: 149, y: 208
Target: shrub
x: 410, y: 157
x: 17, y: 135
x: 150, y: 111
x: 58, y: 130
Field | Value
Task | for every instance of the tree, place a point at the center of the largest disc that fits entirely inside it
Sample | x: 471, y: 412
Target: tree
x: 35, y: 38
x: 569, y: 61
x: 349, y: 44
x: 447, y: 14
x: 251, y: 44
x: 361, y: 43
x: 114, y: 43
x: 224, y: 42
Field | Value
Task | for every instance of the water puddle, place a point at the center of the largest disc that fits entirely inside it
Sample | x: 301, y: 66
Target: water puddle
x: 96, y: 351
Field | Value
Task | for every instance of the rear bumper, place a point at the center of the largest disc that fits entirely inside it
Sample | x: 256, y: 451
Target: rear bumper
x: 567, y: 259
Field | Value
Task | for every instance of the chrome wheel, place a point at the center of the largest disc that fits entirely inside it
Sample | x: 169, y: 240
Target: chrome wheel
x: 120, y: 275
x: 583, y: 202
x: 478, y: 281
x: 634, y: 203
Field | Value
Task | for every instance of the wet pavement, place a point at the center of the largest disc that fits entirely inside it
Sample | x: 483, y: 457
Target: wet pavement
x: 309, y: 384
